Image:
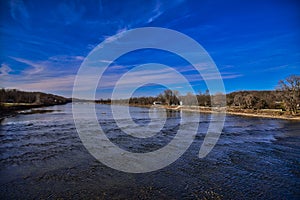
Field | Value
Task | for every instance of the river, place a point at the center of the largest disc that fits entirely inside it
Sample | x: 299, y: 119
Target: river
x: 42, y: 157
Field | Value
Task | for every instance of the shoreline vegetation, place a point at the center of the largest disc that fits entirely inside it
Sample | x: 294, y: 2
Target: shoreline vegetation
x: 9, y: 110
x: 262, y: 113
x: 13, y: 102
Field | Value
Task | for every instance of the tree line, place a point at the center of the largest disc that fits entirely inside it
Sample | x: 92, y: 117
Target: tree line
x: 286, y: 97
x: 16, y: 96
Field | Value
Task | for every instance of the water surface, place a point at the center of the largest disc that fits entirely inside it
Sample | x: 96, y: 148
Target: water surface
x: 43, y: 157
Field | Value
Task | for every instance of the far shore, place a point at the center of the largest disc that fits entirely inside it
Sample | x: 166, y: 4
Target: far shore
x: 260, y: 113
x: 12, y: 109
x: 245, y: 112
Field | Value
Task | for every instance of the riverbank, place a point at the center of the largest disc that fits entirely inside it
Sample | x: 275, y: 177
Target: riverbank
x: 12, y: 109
x: 265, y: 115
x: 14, y: 101
x: 262, y: 113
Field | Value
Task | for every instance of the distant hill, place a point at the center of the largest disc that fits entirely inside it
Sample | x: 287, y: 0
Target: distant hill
x: 12, y: 101
x: 37, y: 98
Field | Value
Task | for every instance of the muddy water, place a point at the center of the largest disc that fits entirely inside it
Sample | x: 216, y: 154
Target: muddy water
x: 41, y: 156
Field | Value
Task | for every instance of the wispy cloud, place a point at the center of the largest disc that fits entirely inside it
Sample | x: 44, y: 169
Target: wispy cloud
x: 156, y: 12
x: 66, y: 58
x: 36, y: 67
x: 4, y: 70
x: 59, y: 85
x: 166, y: 75
x: 160, y: 8
x: 50, y: 66
x: 116, y: 36
x: 50, y: 84
x: 41, y: 75
x: 19, y: 12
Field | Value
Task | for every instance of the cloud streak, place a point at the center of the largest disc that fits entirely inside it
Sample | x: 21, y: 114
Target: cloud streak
x: 4, y: 70
x: 36, y: 67
x: 54, y: 84
x: 156, y: 12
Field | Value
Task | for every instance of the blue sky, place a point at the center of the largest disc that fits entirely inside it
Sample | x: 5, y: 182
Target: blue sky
x: 43, y: 43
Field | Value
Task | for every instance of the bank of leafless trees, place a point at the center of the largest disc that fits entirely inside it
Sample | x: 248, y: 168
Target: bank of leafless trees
x: 240, y: 99
x: 285, y: 97
x: 290, y: 89
x: 16, y: 96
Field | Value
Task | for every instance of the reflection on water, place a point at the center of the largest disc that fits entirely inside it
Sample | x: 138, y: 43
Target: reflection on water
x: 43, y: 157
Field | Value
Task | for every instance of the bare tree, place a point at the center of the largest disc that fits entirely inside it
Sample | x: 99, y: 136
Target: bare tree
x: 219, y: 99
x: 204, y: 99
x: 238, y: 100
x: 171, y: 97
x: 290, y: 88
x: 190, y: 99
x: 250, y: 100
x: 167, y: 95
